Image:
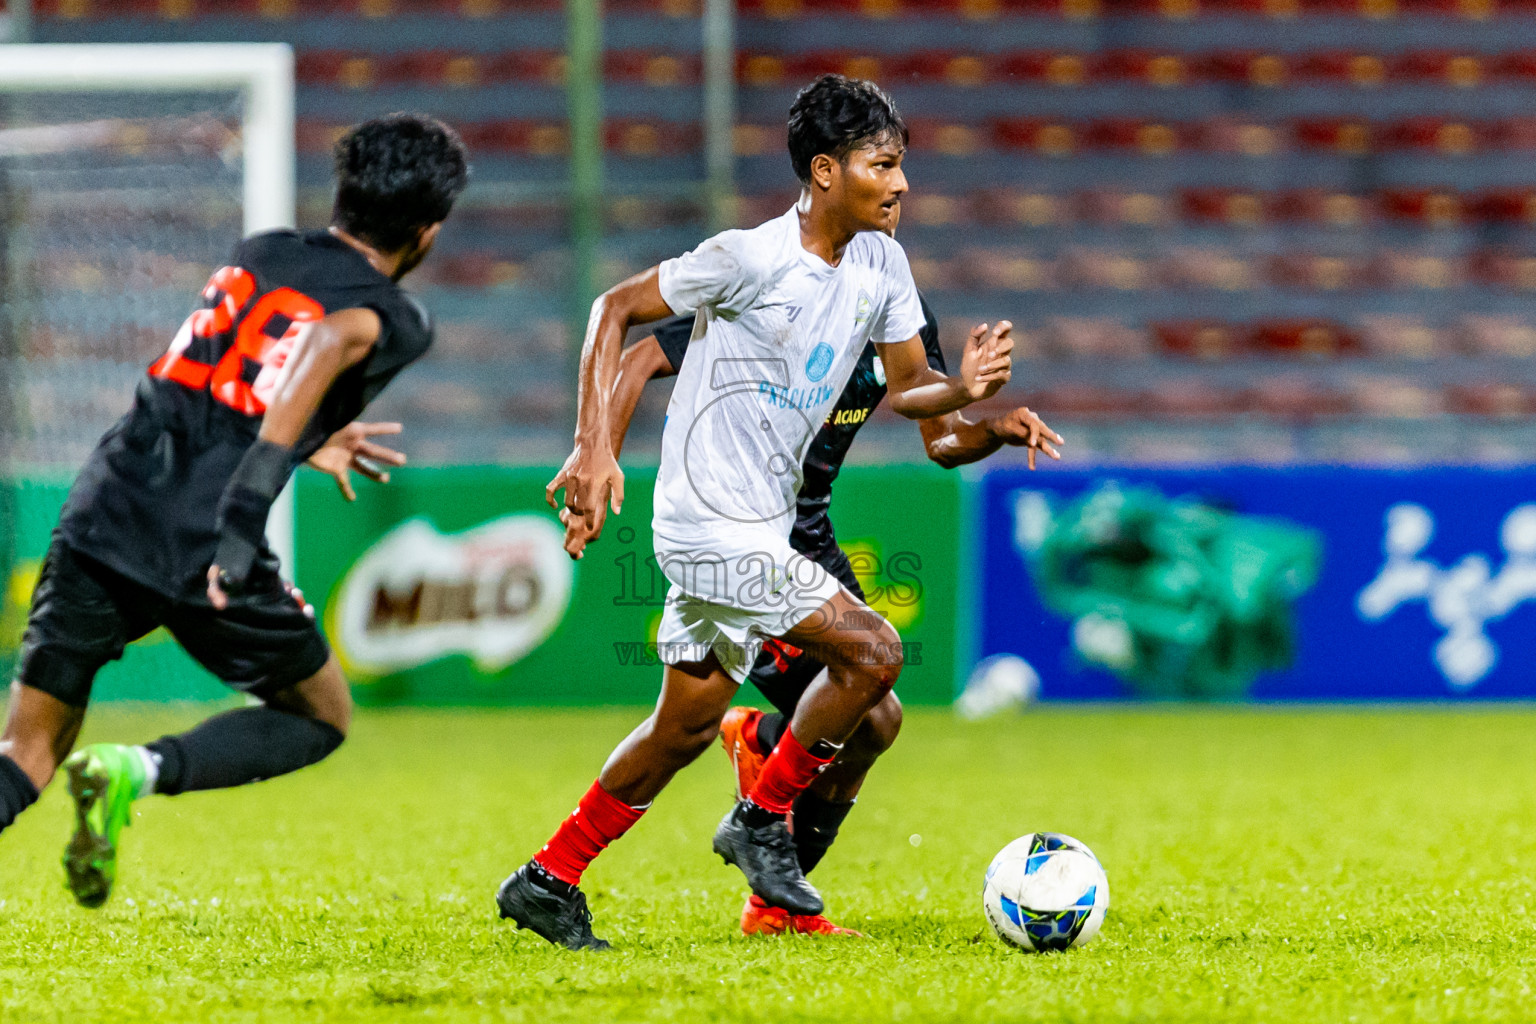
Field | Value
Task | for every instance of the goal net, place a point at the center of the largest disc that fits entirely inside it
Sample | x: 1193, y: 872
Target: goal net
x: 127, y: 172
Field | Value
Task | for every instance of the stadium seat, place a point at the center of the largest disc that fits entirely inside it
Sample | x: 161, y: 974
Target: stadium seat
x: 1088, y: 402
x: 1400, y: 337
x: 1316, y: 339
x: 1206, y: 340
x: 1493, y: 399
x: 1294, y: 397
x: 1193, y: 398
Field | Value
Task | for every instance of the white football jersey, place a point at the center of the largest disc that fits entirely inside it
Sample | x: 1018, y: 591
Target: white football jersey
x: 776, y: 336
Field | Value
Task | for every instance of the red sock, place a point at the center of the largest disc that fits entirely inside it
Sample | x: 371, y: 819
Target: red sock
x: 597, y: 821
x: 786, y: 774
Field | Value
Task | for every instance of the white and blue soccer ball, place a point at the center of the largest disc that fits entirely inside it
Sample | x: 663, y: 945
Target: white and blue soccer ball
x: 1045, y: 891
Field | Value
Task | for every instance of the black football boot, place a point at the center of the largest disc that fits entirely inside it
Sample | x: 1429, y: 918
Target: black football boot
x: 548, y: 907
x: 760, y: 844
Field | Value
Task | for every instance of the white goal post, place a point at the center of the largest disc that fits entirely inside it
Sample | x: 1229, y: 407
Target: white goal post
x: 262, y: 73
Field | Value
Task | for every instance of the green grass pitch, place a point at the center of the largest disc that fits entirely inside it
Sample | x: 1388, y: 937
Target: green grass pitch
x: 1265, y: 865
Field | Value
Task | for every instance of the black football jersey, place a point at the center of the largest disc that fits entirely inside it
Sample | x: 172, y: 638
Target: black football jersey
x: 865, y: 390
x: 144, y: 504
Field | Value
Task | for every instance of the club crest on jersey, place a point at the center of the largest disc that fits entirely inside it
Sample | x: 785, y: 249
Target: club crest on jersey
x: 861, y: 314
x: 819, y: 362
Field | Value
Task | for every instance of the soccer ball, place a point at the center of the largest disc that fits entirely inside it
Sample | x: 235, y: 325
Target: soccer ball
x: 1045, y: 891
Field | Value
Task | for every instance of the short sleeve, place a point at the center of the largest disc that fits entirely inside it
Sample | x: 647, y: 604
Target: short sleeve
x: 930, y: 336
x: 405, y: 334
x: 673, y: 336
x: 903, y: 315
x: 721, y: 274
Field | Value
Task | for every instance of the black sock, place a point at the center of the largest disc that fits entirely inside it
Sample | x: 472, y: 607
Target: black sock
x: 770, y: 729
x: 816, y: 822
x: 548, y: 881
x: 754, y: 816
x: 16, y: 791
x: 242, y: 746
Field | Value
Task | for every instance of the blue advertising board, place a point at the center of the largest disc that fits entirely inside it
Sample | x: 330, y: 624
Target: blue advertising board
x: 1267, y: 584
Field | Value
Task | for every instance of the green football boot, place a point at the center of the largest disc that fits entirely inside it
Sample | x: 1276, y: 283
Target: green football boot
x: 104, y: 779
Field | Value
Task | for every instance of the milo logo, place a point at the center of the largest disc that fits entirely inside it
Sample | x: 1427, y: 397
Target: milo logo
x: 493, y: 593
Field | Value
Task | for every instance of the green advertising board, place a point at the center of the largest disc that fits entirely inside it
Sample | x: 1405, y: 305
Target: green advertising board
x: 449, y: 586
x: 153, y: 668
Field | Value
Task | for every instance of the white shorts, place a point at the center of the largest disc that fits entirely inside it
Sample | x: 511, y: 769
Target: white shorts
x: 730, y: 598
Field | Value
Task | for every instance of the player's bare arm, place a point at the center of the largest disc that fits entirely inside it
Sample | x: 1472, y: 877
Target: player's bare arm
x: 918, y: 391
x: 322, y: 353
x: 591, y: 476
x: 954, y: 440
x: 640, y: 363
x: 350, y: 449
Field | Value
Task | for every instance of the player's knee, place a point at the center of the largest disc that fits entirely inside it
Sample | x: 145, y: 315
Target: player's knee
x: 879, y: 664
x: 324, y: 697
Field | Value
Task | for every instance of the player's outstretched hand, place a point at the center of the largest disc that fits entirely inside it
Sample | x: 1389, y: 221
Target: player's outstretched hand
x: 987, y: 362
x: 592, y: 481
x: 1022, y: 428
x: 349, y: 449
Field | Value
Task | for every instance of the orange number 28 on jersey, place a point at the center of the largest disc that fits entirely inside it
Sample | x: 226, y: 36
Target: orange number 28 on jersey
x: 262, y: 332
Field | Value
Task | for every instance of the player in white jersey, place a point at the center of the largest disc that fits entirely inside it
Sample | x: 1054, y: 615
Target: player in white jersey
x: 782, y: 313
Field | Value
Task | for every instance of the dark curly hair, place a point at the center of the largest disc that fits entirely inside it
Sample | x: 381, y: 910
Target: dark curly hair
x: 396, y: 175
x: 836, y: 115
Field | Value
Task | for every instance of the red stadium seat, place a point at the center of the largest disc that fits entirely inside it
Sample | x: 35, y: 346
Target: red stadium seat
x: 1514, y: 205
x: 1306, y: 271
x: 1448, y: 137
x: 1459, y: 70
x: 1095, y: 338
x: 1494, y: 399
x: 1067, y: 70
x: 1161, y: 70
x: 1432, y: 207
x: 1297, y: 398
x: 1345, y: 136
x: 1318, y: 339
x: 546, y: 66
x: 1193, y: 398
x: 659, y: 70
x: 1089, y: 402
x: 1341, y: 67
x: 1206, y: 340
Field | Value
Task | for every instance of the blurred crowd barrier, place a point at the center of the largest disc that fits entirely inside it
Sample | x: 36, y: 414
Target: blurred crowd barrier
x: 449, y: 586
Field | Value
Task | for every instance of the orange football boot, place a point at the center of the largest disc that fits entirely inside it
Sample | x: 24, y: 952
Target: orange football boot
x: 758, y: 918
x: 739, y: 723
x: 817, y: 924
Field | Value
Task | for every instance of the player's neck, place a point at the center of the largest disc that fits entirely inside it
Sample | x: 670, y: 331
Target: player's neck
x: 823, y: 231
x: 386, y: 264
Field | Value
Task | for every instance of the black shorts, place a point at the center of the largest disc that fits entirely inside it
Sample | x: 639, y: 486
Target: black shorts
x: 84, y: 614
x: 783, y: 673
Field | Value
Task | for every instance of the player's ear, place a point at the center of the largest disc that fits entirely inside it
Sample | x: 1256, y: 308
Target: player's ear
x: 824, y: 171
x: 428, y: 236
